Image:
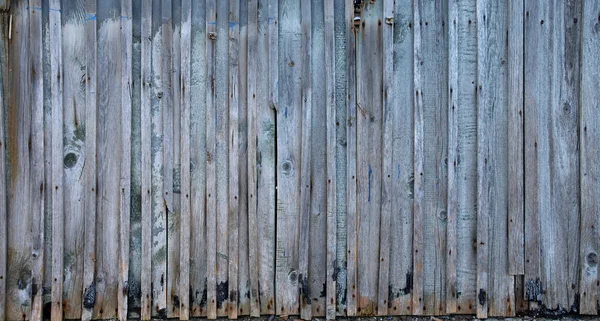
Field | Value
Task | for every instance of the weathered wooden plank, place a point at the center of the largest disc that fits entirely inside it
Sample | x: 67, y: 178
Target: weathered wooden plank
x: 37, y: 160
x: 233, y: 129
x: 369, y: 120
x: 265, y: 194
x: 221, y: 152
x: 461, y: 261
x: 211, y: 188
x: 89, y: 254
x: 198, y: 155
x: 109, y: 160
x: 351, y: 170
x: 516, y: 201
x: 306, y: 183
x: 74, y: 60
x: 401, y: 264
x: 387, y: 157
x: 159, y: 219
x: 288, y: 157
x: 331, y: 148
x: 135, y: 240
x: 125, y: 182
x: 146, y: 133
x: 589, y: 132
x: 252, y: 156
x: 340, y: 59
x: 3, y: 191
x: 184, y: 254
x: 18, y: 162
x: 495, y: 286
x: 431, y: 156
x: 56, y: 85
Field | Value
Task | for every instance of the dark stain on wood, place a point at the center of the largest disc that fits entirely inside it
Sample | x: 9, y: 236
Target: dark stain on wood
x: 222, y: 293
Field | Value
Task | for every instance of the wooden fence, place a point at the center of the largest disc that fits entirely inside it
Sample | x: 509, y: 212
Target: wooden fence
x: 204, y: 158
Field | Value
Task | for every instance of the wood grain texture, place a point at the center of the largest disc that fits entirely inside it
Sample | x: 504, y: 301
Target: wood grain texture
x: 589, y: 135
x: 289, y: 122
x: 461, y: 261
x: 57, y: 155
x: 198, y: 155
x: 146, y: 142
x: 401, y: 237
x: 3, y: 186
x: 431, y: 123
x: 37, y: 166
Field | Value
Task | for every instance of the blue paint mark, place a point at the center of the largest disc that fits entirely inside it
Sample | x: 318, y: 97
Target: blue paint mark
x: 285, y: 112
x: 125, y: 17
x: 90, y: 17
x: 212, y: 22
x: 398, y: 171
x: 53, y: 9
x: 437, y: 182
x: 232, y: 25
x: 370, y: 172
x: 270, y: 19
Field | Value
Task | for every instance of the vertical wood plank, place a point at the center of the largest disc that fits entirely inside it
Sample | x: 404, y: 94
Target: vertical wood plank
x: 125, y: 202
x: 590, y: 134
x: 288, y: 157
x: 57, y: 154
x: 516, y: 201
x: 147, y: 168
x: 369, y: 121
x: 89, y: 261
x: 351, y: 179
x: 184, y: 254
x: 340, y: 62
x: 401, y: 255
x: 109, y: 161
x: 233, y: 202
x: 37, y: 161
x: 198, y: 82
x: 221, y: 153
x: 306, y: 183
x: 331, y: 148
x: 18, y: 160
x: 74, y: 45
x: 3, y: 190
x: 387, y: 157
x: 252, y: 156
x: 211, y: 210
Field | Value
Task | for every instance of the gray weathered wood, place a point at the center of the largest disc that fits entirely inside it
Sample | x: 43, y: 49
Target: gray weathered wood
x: 288, y: 157
x: 589, y: 132
x: 57, y: 156
x: 3, y: 208
x: 387, y: 157
x: 516, y: 202
x: 37, y: 160
x: 146, y: 139
x: 185, y: 221
x: 198, y: 155
x: 401, y: 256
x: 125, y: 182
x: 89, y: 253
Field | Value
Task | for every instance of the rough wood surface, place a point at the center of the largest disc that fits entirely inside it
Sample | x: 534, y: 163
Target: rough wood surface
x: 3, y: 208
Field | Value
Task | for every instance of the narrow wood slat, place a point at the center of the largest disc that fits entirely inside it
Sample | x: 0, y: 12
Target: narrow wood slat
x: 146, y: 139
x: 589, y: 136
x: 37, y: 161
x: 331, y: 147
x: 198, y: 83
x: 351, y: 179
x: 3, y: 190
x: 211, y: 188
x: 57, y: 156
x: 185, y: 221
x: 233, y: 129
x: 126, y: 114
x: 387, y: 154
x: 252, y: 170
x: 516, y: 248
x: 304, y: 282
x: 401, y: 255
x: 89, y: 262
x: 159, y: 219
x: 74, y: 46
